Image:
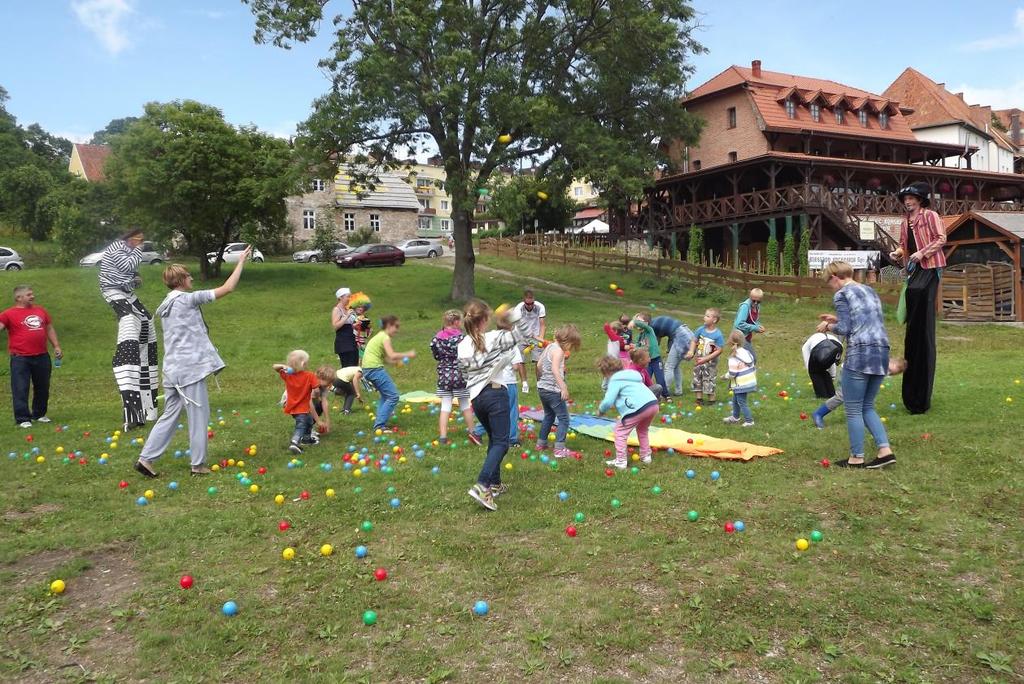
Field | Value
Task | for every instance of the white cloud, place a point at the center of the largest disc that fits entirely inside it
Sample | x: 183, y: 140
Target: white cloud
x: 105, y: 20
x: 1000, y: 41
x: 1010, y: 95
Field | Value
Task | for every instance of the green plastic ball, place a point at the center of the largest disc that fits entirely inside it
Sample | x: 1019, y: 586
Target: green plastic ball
x: 816, y: 536
x: 554, y: 465
x: 369, y: 618
x: 694, y: 516
x: 391, y: 490
x: 211, y: 490
x: 616, y: 503
x: 655, y: 490
x: 634, y: 470
x: 367, y: 526
x: 358, y: 490
x: 579, y: 517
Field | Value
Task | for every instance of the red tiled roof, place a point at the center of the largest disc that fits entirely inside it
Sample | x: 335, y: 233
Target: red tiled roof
x: 770, y: 89
x: 934, y: 105
x: 93, y: 157
x: 589, y: 213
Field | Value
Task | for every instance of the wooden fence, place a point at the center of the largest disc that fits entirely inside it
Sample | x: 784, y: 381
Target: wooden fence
x: 686, y: 273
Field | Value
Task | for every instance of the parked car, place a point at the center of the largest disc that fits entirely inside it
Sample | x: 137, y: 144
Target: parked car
x: 10, y: 260
x: 310, y: 256
x: 422, y: 247
x: 233, y: 251
x: 371, y: 255
x: 151, y: 254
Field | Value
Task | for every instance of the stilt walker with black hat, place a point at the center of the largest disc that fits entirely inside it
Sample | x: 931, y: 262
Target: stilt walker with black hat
x: 922, y: 236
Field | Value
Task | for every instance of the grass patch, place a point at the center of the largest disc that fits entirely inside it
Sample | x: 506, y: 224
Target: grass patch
x: 918, y: 577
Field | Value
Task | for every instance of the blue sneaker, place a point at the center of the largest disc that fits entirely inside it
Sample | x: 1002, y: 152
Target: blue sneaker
x: 819, y: 419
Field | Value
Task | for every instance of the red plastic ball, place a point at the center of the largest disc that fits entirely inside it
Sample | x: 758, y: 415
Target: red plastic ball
x: 186, y: 581
x: 209, y: 434
x: 571, y: 530
x: 283, y: 525
x: 620, y: 292
x: 730, y: 528
x: 81, y: 461
x: 609, y: 472
x: 123, y: 484
x: 825, y: 463
x: 524, y: 455
x: 607, y: 452
x: 689, y: 440
x: 380, y: 574
x: 304, y: 495
x: 262, y: 470
x: 803, y: 416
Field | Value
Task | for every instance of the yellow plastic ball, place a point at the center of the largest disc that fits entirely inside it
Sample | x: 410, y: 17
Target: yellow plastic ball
x: 113, y: 445
x: 329, y: 493
x: 508, y: 466
x: 613, y: 287
x: 252, y: 451
x: 357, y: 473
x: 635, y: 457
x: 1017, y: 381
x: 279, y: 499
x: 104, y: 455
x: 288, y: 553
x: 1009, y: 400
x: 435, y: 443
x: 231, y: 462
x: 252, y: 447
x: 59, y: 450
x: 401, y: 459
x: 57, y: 587
x: 698, y: 408
x: 378, y: 432
x: 802, y: 544
x: 396, y: 449
x: 551, y: 437
x: 40, y: 459
x: 215, y: 467
x: 254, y: 488
x: 572, y: 435
x: 148, y: 494
x: 117, y: 433
x: 504, y: 138
x: 326, y: 550
x: 221, y: 423
x: 240, y: 464
x: 884, y: 419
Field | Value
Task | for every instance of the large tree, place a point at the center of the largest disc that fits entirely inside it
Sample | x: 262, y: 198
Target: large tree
x: 115, y: 127
x: 181, y: 168
x: 589, y: 84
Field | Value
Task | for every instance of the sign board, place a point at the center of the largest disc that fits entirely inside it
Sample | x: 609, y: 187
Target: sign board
x: 817, y: 259
x: 867, y: 231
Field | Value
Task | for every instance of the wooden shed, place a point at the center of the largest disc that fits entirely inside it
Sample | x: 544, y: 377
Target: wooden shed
x: 983, y: 279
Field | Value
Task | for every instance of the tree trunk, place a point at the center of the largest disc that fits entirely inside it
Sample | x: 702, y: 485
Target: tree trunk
x: 463, y: 283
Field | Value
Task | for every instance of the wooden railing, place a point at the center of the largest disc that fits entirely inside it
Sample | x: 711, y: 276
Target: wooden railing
x: 686, y: 273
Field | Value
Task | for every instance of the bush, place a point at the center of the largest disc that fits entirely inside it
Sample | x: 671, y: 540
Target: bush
x: 363, y: 236
x: 713, y: 294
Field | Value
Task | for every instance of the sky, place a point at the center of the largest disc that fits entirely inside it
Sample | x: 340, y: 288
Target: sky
x: 73, y: 65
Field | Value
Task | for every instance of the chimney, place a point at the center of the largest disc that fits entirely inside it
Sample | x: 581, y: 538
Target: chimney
x: 755, y: 68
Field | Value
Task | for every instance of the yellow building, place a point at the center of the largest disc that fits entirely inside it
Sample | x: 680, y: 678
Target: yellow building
x: 581, y: 192
x: 427, y: 180
x: 87, y: 161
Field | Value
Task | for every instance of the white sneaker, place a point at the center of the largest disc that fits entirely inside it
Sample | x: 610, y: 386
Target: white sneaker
x: 646, y: 460
x: 730, y: 419
x: 44, y: 419
x: 616, y: 463
x: 748, y: 423
x: 26, y: 424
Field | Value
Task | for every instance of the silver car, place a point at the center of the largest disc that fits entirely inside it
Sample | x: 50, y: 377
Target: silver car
x: 309, y: 256
x: 151, y: 254
x: 10, y: 260
x: 421, y: 247
x: 234, y: 250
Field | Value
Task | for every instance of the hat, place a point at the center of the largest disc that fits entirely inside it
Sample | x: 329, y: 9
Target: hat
x: 920, y: 190
x: 342, y: 291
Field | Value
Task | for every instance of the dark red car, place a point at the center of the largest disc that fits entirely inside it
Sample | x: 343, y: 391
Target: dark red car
x: 371, y: 255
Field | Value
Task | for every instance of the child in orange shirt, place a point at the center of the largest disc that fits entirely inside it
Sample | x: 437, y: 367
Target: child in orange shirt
x: 299, y: 385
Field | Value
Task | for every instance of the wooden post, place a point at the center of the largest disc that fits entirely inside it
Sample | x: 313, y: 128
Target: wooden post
x: 564, y: 251
x: 625, y: 258
x: 515, y: 248
x: 593, y: 257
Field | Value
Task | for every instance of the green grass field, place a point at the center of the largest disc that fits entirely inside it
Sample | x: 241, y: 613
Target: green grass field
x: 918, y: 576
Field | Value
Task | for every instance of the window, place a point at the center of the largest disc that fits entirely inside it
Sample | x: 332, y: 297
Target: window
x: 424, y: 223
x: 790, y: 109
x: 578, y: 191
x: 318, y: 185
x: 840, y: 115
x: 424, y: 183
x: 862, y: 116
x: 446, y: 224
x: 5, y: 252
x: 816, y: 111
x: 732, y: 156
x: 444, y: 205
x: 309, y: 220
x: 375, y: 223
x: 731, y: 112
x: 349, y: 221
x: 424, y: 203
x: 883, y: 119
x: 696, y: 164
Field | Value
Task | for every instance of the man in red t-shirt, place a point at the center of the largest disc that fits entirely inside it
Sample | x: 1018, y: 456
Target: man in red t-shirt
x: 28, y: 330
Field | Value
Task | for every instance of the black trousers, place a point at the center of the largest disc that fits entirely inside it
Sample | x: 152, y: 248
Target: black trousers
x: 919, y: 344
x: 29, y: 371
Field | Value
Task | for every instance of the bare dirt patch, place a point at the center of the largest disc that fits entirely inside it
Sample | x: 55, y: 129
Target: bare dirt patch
x: 38, y: 566
x: 35, y: 511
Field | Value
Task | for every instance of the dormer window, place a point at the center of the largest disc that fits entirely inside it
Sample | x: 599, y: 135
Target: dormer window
x: 883, y: 119
x: 840, y: 116
x: 790, y: 108
x: 815, y: 111
x: 862, y: 116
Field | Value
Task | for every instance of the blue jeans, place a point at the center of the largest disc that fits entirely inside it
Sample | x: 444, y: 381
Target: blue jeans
x: 654, y: 368
x: 740, y: 403
x: 380, y: 379
x: 26, y: 371
x: 513, y: 415
x: 491, y: 409
x: 554, y: 407
x: 303, y: 425
x: 681, y: 339
x: 859, y: 392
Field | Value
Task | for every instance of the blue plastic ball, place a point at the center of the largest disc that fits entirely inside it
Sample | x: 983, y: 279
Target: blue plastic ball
x: 395, y: 503
x: 715, y: 475
x: 481, y: 608
x: 739, y: 526
x: 102, y: 461
x: 290, y: 465
x: 177, y: 454
x: 360, y: 552
x: 142, y: 501
x: 346, y: 465
x: 435, y: 470
x: 173, y: 486
x: 690, y: 474
x: 563, y: 496
x: 230, y: 609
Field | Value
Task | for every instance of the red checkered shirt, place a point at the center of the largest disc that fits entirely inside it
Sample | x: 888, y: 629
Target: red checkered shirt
x: 930, y: 236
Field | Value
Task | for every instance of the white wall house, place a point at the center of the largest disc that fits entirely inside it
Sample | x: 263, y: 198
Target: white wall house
x: 989, y: 157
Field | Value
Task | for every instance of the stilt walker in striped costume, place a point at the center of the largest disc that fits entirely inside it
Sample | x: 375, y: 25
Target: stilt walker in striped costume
x: 135, y: 358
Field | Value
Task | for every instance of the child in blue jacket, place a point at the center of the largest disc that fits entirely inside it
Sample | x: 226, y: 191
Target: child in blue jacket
x: 636, y: 404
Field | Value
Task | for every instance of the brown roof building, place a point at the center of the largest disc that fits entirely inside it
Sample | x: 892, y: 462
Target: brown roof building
x: 87, y: 161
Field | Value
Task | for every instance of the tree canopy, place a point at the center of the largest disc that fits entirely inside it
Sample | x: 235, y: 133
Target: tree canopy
x: 182, y: 169
x: 590, y: 87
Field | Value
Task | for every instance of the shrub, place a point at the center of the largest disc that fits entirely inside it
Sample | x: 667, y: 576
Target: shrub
x: 363, y: 236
